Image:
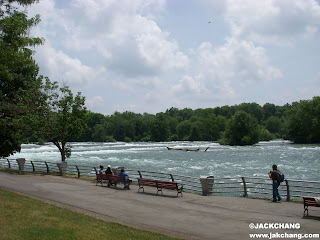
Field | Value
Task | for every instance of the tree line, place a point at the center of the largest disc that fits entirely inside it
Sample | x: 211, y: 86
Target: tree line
x: 244, y: 124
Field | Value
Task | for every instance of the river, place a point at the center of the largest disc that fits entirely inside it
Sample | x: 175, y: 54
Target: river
x: 296, y: 161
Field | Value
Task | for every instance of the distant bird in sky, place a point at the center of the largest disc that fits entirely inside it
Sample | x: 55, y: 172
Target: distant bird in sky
x: 209, y: 22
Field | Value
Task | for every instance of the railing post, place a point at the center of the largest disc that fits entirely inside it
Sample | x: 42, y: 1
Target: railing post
x: 9, y: 165
x: 245, y: 191
x: 288, y: 190
x: 140, y: 174
x: 33, y: 168
x: 78, y: 170
x: 21, y: 162
x: 47, y: 167
x: 171, y: 177
x: 62, y: 166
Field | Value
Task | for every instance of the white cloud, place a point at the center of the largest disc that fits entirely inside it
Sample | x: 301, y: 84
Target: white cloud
x: 227, y: 70
x: 122, y: 57
x: 126, y: 39
x: 95, y: 103
x: 270, y: 21
x: 59, y: 66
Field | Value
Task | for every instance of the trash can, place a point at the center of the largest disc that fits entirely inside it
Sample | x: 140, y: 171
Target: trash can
x: 116, y: 170
x: 206, y: 184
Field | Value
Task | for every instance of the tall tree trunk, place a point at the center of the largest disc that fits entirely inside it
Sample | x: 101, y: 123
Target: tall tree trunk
x: 63, y: 155
x: 62, y: 150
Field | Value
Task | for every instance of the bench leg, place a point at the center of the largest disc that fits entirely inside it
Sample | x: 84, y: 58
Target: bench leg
x: 98, y: 181
x: 126, y: 185
x: 179, y: 190
x: 159, y: 190
x: 306, y: 210
x: 140, y: 186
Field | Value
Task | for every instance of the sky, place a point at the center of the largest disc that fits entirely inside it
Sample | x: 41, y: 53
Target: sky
x: 151, y: 55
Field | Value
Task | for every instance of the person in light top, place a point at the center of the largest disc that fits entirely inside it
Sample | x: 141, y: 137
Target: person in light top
x: 101, y: 169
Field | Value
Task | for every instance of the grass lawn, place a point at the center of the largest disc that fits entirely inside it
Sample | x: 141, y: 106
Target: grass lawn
x: 25, y: 218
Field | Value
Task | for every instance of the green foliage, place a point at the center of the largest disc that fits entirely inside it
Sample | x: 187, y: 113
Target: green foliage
x: 99, y: 133
x: 183, y: 130
x: 19, y: 81
x: 242, y: 129
x: 60, y: 115
x: 273, y: 124
x: 265, y: 135
x: 304, y: 121
x: 160, y: 129
x: 199, y: 125
x: 269, y: 110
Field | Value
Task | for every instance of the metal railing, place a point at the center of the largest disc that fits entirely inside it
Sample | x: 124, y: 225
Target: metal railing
x: 231, y: 186
x: 190, y: 184
x: 259, y: 187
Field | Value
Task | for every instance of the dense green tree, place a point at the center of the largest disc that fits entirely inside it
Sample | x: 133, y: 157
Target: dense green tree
x: 194, y: 133
x: 226, y: 111
x: 242, y: 129
x: 173, y: 112
x: 210, y: 130
x: 186, y: 114
x: 173, y: 123
x: 19, y: 80
x: 252, y: 108
x: 93, y: 119
x: 304, y: 121
x: 160, y: 130
x: 269, y: 110
x: 99, y: 133
x: 183, y: 130
x: 273, y: 124
x: 221, y: 122
x: 265, y: 135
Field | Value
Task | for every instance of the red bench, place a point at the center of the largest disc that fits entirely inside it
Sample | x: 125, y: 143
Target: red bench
x: 309, y: 202
x: 160, y: 185
x: 112, y: 178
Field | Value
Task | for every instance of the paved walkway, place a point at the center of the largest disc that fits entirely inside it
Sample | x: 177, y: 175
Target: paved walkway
x: 189, y: 217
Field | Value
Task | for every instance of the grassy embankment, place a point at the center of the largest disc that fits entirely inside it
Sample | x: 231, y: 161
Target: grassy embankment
x: 25, y: 218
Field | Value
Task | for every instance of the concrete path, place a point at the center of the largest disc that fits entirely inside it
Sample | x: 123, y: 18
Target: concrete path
x: 188, y: 217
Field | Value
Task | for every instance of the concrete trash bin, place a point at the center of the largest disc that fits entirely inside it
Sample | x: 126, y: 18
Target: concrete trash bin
x: 207, y: 185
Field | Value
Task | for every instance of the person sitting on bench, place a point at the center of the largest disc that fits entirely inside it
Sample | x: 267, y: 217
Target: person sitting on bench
x: 101, y: 170
x: 109, y: 171
x: 125, y: 179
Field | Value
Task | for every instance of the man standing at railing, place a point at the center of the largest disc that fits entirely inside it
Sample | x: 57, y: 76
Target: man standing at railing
x: 275, y: 183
